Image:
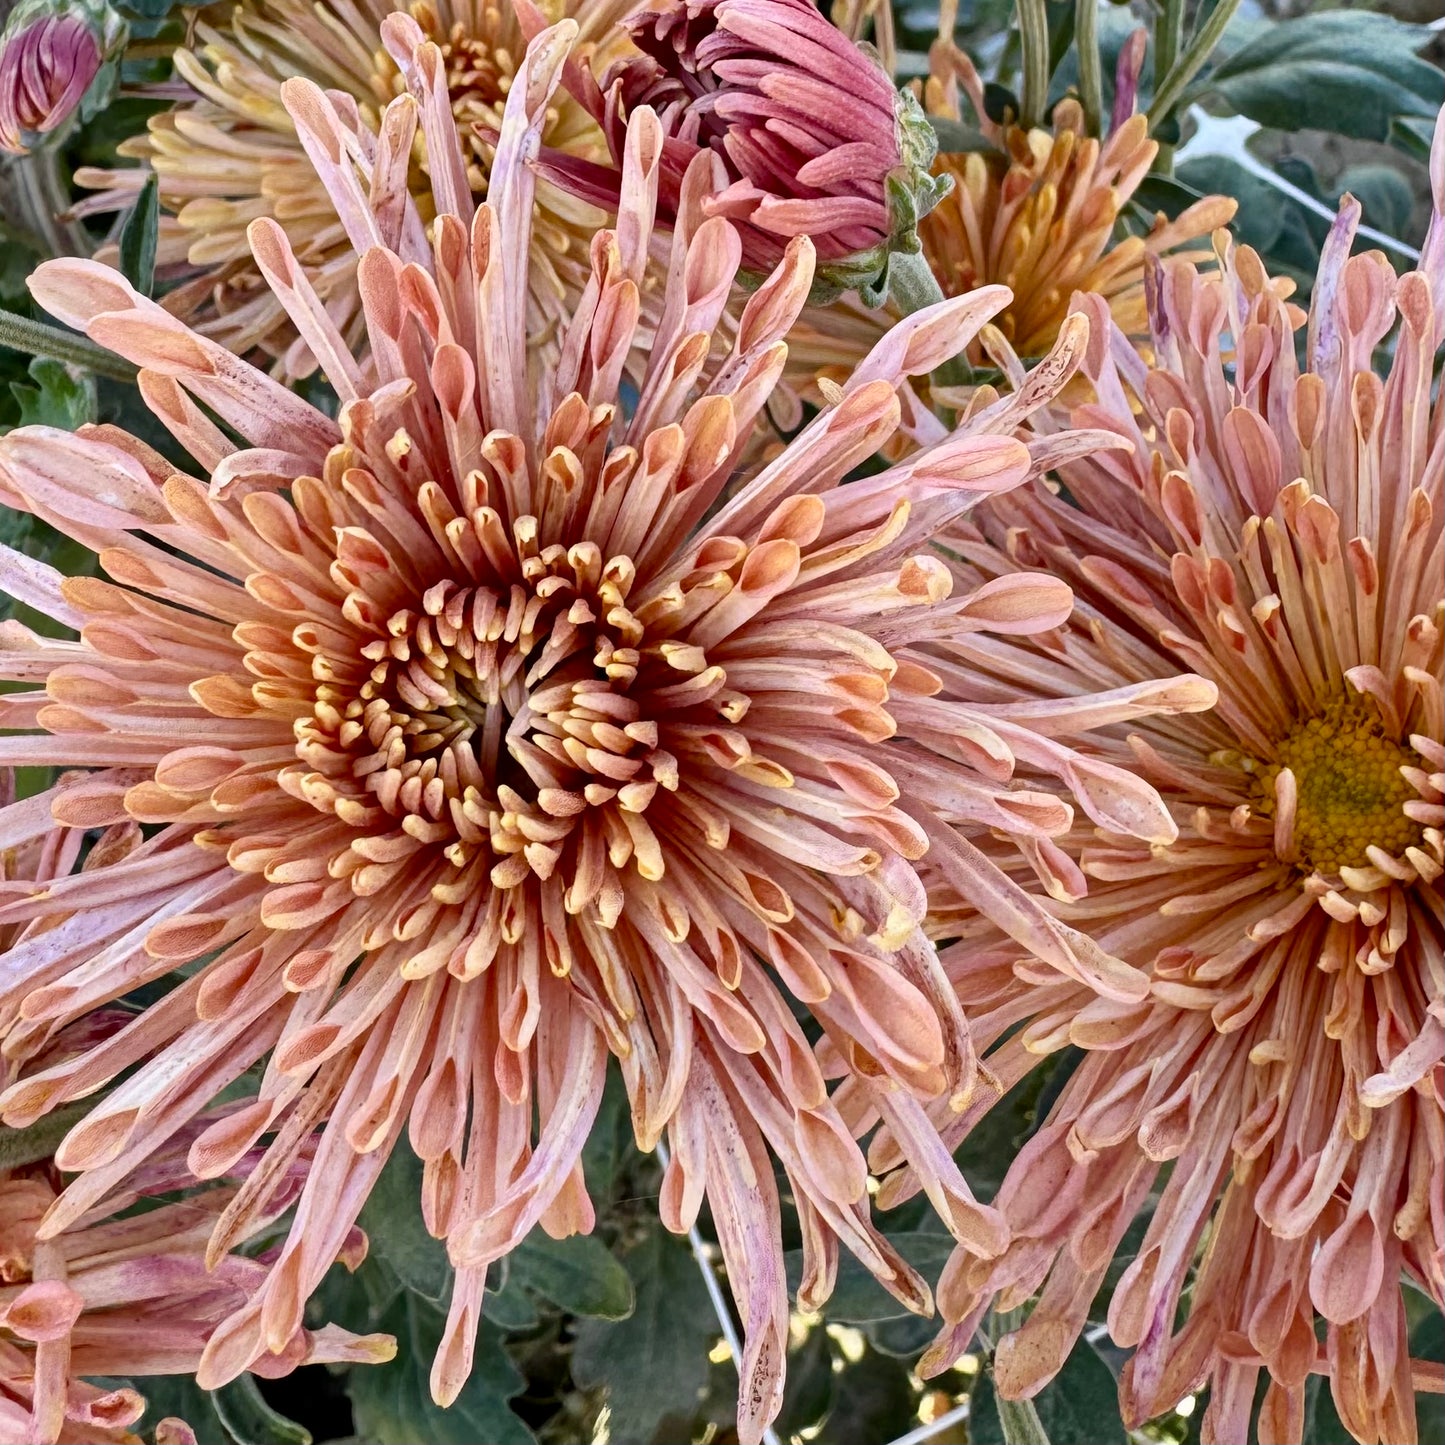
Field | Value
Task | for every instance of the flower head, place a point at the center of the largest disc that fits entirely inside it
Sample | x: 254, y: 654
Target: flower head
x: 117, y: 1293
x: 1040, y: 213
x: 805, y: 130
x: 124, y: 1295
x: 230, y: 152
x: 1035, y: 210
x: 1278, y: 529
x: 489, y: 729
x: 49, y: 55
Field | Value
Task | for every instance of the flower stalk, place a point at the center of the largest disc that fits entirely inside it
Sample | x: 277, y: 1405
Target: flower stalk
x: 35, y: 338
x: 1020, y: 1422
x: 1091, y: 79
x: 1033, y: 18
x: 1168, y: 36
x: 1177, y: 78
x: 912, y: 286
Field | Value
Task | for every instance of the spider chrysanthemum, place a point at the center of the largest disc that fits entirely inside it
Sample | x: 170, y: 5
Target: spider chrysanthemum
x: 497, y: 725
x: 1041, y: 213
x: 1278, y: 529
x: 231, y: 152
x: 1038, y: 211
x: 121, y: 1292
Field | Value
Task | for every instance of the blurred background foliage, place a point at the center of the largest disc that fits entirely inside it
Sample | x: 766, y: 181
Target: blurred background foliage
x: 616, y: 1336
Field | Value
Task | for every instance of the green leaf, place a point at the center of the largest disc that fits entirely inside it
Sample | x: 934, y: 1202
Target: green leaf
x: 138, y: 238
x: 392, y: 1403
x: 872, y: 1401
x: 609, y: 1145
x: 808, y: 1394
x: 1427, y: 1342
x: 355, y: 1300
x: 249, y: 1420
x: 18, y: 258
x: 1384, y: 196
x: 654, y: 1363
x: 577, y: 1274
x: 857, y: 1297
x: 1322, y: 1422
x: 392, y: 1220
x: 150, y: 9
x: 904, y: 1338
x: 505, y: 1302
x: 1164, y: 193
x: 1346, y: 71
x: 39, y: 1140
x: 1079, y: 1406
x: 178, y: 1397
x: 59, y: 398
x: 1274, y: 224
x: 1413, y: 135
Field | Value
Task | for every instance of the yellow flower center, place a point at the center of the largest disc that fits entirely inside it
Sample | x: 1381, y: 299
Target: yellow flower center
x: 1350, y: 791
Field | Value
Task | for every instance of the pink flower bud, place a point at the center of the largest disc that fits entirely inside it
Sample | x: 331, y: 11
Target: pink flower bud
x: 47, y: 62
x: 812, y: 135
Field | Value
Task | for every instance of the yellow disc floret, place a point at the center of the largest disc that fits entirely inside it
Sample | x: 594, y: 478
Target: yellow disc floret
x: 1350, y: 790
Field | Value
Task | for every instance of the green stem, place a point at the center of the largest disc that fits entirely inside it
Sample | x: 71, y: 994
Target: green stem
x: 44, y: 199
x: 36, y: 338
x: 912, y: 286
x: 1034, y: 38
x: 1171, y: 88
x: 1091, y: 77
x: 911, y: 282
x: 42, y: 1138
x: 1020, y: 1421
x: 1168, y: 37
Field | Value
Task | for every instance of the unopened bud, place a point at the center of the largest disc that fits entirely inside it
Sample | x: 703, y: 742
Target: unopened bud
x: 814, y: 137
x: 50, y: 54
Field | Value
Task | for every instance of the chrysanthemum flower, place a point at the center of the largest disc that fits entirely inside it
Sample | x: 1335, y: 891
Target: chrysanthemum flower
x: 110, y: 1295
x: 485, y: 732
x: 1277, y: 529
x: 49, y: 55
x: 808, y: 132
x: 229, y: 152
x: 128, y: 1296
x: 1038, y: 213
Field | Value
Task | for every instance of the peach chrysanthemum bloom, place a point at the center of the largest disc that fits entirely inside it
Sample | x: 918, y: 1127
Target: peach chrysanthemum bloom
x: 230, y: 152
x: 1039, y: 213
x: 1278, y: 529
x: 111, y: 1295
x: 129, y: 1296
x: 487, y: 729
x: 1040, y: 216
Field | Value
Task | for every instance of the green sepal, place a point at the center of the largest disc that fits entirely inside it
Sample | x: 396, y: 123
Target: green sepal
x: 911, y: 191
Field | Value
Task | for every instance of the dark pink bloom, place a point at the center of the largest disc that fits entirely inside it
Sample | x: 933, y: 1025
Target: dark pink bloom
x: 807, y: 133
